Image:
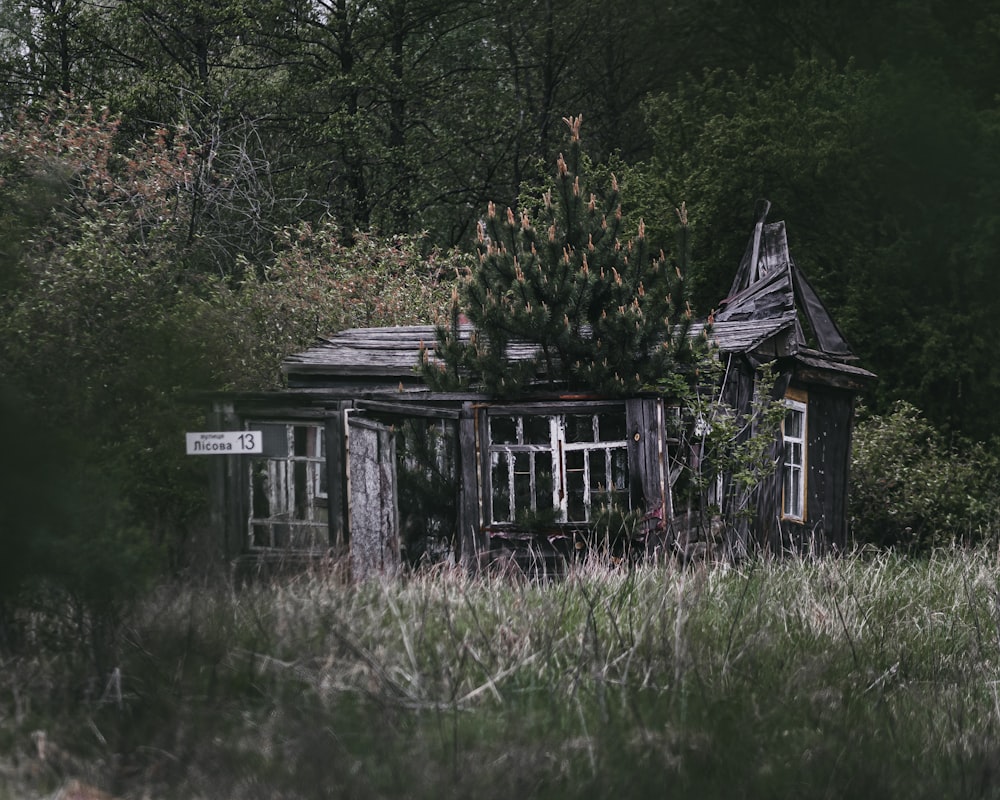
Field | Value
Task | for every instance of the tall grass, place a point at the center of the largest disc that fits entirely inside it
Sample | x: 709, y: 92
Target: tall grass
x: 865, y: 677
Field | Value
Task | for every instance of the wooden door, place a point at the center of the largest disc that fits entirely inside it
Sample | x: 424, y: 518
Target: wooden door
x: 374, y: 513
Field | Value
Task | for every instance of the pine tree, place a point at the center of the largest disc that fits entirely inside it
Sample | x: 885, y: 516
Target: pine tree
x: 600, y: 311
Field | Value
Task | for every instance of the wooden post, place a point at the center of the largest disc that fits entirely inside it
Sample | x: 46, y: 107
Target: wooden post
x: 228, y: 488
x: 471, y: 541
x: 336, y: 475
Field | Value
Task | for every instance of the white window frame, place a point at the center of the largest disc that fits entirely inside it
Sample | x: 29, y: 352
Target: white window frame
x: 303, y: 518
x: 558, y: 449
x: 794, y: 463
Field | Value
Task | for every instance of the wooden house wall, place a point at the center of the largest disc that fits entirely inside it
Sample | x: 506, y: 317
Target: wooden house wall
x: 829, y: 428
x: 828, y: 456
x: 830, y: 422
x: 764, y: 528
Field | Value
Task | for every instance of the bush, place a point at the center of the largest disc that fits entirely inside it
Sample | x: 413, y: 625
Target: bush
x: 912, y: 489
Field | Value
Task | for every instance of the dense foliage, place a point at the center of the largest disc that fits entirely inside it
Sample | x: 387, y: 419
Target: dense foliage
x: 872, y: 128
x: 112, y: 320
x: 914, y: 490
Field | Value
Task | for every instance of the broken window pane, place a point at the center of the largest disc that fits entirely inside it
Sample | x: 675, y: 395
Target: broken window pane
x: 611, y: 427
x: 580, y: 428
x: 500, y: 479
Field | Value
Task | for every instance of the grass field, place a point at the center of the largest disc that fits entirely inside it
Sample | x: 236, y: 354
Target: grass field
x: 854, y: 677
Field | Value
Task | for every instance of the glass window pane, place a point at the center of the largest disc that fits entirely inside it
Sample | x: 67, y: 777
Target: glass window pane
x: 576, y: 502
x: 793, y: 423
x: 300, y: 439
x: 619, y: 469
x: 793, y: 492
x: 579, y: 428
x: 576, y: 506
x: 598, y: 475
x: 543, y: 482
x: 611, y: 427
x: 321, y: 479
x: 503, y: 430
x: 793, y: 453
x: 260, y: 486
x: 500, y: 479
x: 522, y: 482
x: 301, y: 492
x: 537, y: 430
x: 275, y: 439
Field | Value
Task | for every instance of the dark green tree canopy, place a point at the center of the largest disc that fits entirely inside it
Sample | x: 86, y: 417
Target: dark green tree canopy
x: 602, y: 311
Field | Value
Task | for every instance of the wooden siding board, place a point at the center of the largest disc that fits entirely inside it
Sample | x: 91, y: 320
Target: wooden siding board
x: 543, y: 408
x: 829, y: 464
x: 769, y: 297
x: 646, y: 450
x: 402, y: 409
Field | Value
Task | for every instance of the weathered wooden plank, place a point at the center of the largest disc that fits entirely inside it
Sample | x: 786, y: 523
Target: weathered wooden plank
x: 745, y: 335
x: 404, y: 409
x: 558, y: 407
x: 395, y: 352
x: 374, y: 518
x: 647, y: 456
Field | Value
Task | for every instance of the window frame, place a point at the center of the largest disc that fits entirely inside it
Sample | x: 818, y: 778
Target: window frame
x: 558, y: 448
x: 792, y: 469
x: 297, y: 496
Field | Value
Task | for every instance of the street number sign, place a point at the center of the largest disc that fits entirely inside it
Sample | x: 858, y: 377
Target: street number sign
x: 224, y: 443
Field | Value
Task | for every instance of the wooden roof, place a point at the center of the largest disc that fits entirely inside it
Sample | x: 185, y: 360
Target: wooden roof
x: 771, y: 311
x: 768, y: 283
x: 393, y: 353
x: 386, y: 352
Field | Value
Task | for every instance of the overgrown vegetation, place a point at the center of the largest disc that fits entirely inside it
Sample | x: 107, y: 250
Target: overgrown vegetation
x: 114, y: 317
x: 914, y: 490
x: 862, y: 677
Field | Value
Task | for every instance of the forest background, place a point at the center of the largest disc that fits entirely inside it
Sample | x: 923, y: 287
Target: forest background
x: 191, y: 189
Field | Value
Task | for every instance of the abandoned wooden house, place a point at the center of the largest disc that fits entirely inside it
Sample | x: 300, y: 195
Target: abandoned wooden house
x: 360, y: 456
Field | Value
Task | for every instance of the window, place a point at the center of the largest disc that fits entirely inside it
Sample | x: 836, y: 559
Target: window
x: 793, y: 431
x: 556, y: 468
x: 288, y: 498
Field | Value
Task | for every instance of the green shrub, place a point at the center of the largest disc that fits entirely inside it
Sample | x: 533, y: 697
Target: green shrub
x: 913, y: 489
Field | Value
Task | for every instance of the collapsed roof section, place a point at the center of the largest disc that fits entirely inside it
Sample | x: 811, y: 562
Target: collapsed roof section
x: 769, y: 285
